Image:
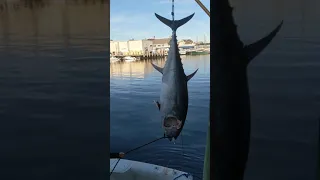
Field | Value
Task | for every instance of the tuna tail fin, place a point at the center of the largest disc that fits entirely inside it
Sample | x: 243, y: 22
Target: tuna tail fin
x: 174, y: 25
x: 255, y: 48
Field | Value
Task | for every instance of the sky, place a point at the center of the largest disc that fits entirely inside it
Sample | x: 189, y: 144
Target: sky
x: 135, y: 19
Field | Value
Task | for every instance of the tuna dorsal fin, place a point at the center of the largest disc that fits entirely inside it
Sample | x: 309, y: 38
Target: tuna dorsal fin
x: 157, y: 68
x: 191, y: 75
x: 174, y: 25
x: 254, y: 49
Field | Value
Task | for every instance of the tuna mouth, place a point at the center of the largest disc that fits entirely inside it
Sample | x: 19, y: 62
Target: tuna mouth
x: 171, y: 125
x: 172, y: 122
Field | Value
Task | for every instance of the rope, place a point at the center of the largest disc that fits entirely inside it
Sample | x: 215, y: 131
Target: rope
x: 136, y: 149
x: 172, y: 13
x: 182, y: 150
x: 183, y: 155
x: 145, y: 144
x: 115, y: 166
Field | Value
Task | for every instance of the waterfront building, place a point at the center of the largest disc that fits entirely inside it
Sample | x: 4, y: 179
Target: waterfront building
x: 160, y: 44
x: 131, y: 47
x: 140, y: 46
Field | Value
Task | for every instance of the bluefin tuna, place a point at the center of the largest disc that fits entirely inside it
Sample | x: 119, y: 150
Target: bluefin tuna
x: 230, y: 102
x: 173, y: 105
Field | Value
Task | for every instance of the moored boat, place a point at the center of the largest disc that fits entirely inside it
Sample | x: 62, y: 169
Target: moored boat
x: 129, y: 58
x: 198, y: 52
x: 114, y: 59
x: 182, y: 51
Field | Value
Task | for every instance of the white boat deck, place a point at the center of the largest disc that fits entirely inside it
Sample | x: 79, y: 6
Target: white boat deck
x: 134, y: 170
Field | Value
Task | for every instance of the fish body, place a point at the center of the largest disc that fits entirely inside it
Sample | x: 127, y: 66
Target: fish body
x: 230, y: 101
x: 173, y: 104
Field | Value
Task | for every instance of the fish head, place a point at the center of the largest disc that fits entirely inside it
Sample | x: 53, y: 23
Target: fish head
x: 172, y: 126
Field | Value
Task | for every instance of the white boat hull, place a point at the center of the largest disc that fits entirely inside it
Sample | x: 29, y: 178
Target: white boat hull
x: 134, y: 170
x: 114, y: 59
x: 129, y: 59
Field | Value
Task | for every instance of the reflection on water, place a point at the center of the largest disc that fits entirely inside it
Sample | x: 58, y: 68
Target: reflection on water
x: 53, y: 95
x: 133, y: 87
x: 141, y: 69
x: 137, y: 69
x: 284, y: 88
x: 33, y: 30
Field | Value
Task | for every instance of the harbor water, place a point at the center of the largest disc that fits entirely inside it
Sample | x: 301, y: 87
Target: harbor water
x: 54, y: 95
x: 135, y: 119
x: 54, y: 76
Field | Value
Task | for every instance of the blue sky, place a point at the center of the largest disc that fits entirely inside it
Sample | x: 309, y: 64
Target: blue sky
x: 136, y: 19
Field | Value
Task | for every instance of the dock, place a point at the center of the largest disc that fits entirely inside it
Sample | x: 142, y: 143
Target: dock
x: 146, y: 56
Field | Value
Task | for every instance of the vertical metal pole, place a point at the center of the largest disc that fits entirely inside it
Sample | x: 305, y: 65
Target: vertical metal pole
x: 203, y: 7
x: 206, y: 164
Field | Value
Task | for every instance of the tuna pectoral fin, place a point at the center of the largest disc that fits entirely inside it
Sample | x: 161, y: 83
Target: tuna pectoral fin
x: 157, y: 104
x: 174, y: 25
x: 191, y: 75
x: 157, y: 68
x: 254, y: 49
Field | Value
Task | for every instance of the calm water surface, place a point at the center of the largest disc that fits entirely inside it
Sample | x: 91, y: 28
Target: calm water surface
x: 285, y: 103
x: 53, y: 90
x: 284, y: 87
x: 135, y: 119
x: 54, y: 79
